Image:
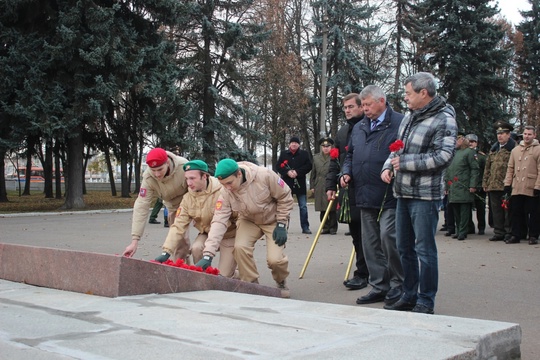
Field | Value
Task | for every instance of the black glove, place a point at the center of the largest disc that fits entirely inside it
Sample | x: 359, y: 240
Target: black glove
x: 205, y: 262
x: 280, y: 234
x: 507, y: 190
x: 536, y: 192
x: 163, y: 257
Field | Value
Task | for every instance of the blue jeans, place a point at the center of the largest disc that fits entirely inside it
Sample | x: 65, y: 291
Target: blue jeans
x: 416, y: 224
x: 302, y: 204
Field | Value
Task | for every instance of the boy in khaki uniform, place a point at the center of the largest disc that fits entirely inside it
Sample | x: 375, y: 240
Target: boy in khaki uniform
x: 164, y: 179
x: 264, y: 203
x: 198, y: 206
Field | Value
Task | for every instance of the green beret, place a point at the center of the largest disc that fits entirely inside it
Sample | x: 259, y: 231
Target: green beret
x: 196, y: 165
x: 226, y: 168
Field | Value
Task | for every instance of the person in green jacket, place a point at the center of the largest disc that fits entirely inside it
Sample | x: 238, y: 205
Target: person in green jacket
x: 462, y: 178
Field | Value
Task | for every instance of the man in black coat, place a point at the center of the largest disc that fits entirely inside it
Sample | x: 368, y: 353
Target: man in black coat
x: 293, y: 165
x: 352, y: 106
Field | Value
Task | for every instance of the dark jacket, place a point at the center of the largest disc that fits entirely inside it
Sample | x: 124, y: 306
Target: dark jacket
x: 340, y: 142
x: 368, y: 150
x: 301, y: 163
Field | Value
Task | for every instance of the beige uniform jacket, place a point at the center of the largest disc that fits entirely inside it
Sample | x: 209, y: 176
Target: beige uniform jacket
x: 170, y: 189
x: 263, y: 199
x: 198, y: 207
x: 523, y: 169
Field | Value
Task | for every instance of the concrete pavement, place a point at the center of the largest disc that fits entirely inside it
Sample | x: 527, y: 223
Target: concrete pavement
x: 478, y: 279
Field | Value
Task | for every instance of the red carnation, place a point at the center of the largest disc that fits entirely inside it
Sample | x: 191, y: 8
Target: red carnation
x: 456, y: 178
x: 334, y: 153
x: 396, y: 146
x: 449, y: 182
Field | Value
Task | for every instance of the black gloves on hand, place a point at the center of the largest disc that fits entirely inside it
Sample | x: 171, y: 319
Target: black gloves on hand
x: 536, y: 192
x: 280, y: 234
x: 205, y: 262
x: 163, y: 257
x: 507, y: 190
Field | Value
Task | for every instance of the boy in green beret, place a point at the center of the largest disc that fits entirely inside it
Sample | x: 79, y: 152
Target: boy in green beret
x: 198, y: 207
x: 264, y: 203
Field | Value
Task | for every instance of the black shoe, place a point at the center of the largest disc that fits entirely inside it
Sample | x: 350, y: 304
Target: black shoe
x: 373, y: 296
x: 324, y: 232
x: 455, y: 236
x: 449, y: 233
x: 348, y: 233
x: 166, y: 224
x: 507, y: 237
x: 356, y: 283
x: 461, y: 237
x: 443, y: 228
x: 307, y: 231
x: 533, y: 240
x: 422, y: 309
x: 154, y: 221
x: 496, y: 238
x: 401, y: 305
x: 512, y: 240
x: 333, y: 232
x: 393, y: 295
x: 481, y: 232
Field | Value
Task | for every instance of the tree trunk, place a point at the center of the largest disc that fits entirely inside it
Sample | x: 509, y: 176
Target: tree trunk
x: 57, y: 170
x: 3, y: 189
x: 74, y: 186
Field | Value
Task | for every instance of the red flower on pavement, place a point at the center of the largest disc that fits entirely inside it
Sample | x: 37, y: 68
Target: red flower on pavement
x: 179, y: 263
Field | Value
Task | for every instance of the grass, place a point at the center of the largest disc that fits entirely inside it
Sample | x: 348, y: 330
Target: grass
x: 36, y: 202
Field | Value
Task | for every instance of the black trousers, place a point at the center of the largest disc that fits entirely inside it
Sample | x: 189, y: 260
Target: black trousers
x: 524, y: 216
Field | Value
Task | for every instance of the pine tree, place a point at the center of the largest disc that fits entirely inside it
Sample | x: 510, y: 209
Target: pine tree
x: 529, y: 53
x: 462, y: 48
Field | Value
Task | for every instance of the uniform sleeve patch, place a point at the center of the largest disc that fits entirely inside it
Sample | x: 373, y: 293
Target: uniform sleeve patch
x: 178, y: 211
x: 281, y: 182
x: 219, y: 204
x: 142, y: 192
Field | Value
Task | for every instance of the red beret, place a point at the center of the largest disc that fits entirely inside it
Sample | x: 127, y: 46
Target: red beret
x: 156, y: 157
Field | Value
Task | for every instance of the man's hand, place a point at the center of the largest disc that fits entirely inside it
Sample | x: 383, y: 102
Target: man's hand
x: 507, y: 190
x: 344, y: 180
x: 536, y: 192
x: 331, y: 195
x: 205, y: 262
x: 395, y: 163
x: 163, y: 257
x: 472, y: 190
x: 280, y: 234
x: 386, y: 176
x: 131, y: 249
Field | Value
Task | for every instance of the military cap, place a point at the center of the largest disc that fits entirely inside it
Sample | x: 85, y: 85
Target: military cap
x: 326, y: 142
x: 295, y: 139
x: 196, y: 165
x: 156, y: 157
x: 226, y: 168
x: 472, y: 137
x: 503, y: 126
